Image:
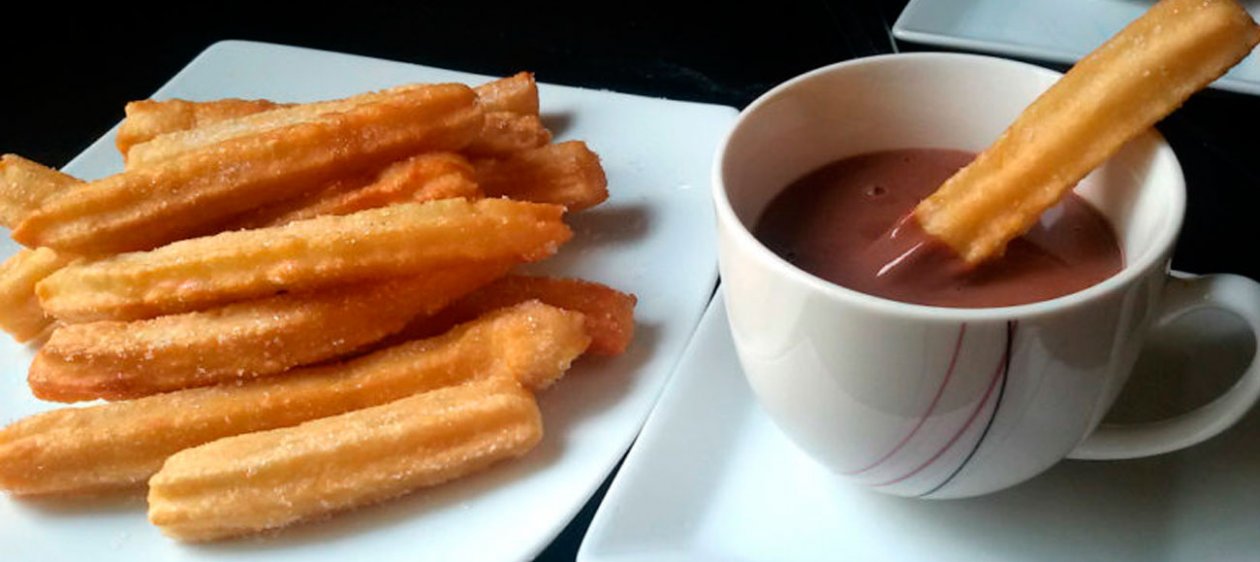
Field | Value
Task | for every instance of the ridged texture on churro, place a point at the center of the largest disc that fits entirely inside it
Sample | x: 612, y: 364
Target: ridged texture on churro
x: 20, y: 313
x: 271, y: 479
x: 400, y: 240
x: 189, y: 194
x: 566, y: 173
x: 120, y: 444
x: 117, y: 360
x: 1120, y: 90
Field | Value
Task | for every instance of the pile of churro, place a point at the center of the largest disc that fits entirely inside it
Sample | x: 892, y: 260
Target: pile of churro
x: 291, y: 310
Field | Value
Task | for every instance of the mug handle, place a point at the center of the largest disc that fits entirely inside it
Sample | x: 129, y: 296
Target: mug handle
x: 1182, y: 295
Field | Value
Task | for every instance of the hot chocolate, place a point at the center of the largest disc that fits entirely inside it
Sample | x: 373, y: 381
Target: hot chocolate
x: 843, y: 223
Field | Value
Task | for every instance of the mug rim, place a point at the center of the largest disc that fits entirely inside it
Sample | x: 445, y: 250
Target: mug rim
x: 1129, y: 272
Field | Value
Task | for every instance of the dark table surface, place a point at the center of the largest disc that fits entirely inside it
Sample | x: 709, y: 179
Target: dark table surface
x: 68, y: 73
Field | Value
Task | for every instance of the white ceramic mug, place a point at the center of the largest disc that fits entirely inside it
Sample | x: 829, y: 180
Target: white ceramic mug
x: 941, y: 402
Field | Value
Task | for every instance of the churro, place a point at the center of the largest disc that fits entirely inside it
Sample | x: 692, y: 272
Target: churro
x: 609, y: 313
x: 515, y: 94
x: 170, y: 145
x: 26, y: 185
x: 424, y: 177
x: 120, y: 444
x: 401, y: 240
x: 147, y: 119
x: 187, y: 195
x: 20, y: 313
x: 566, y: 173
x: 504, y: 133
x: 118, y: 360
x: 271, y: 479
x: 1116, y: 92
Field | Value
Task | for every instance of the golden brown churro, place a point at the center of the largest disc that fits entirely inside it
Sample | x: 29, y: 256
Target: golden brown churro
x: 170, y: 145
x: 147, y: 119
x: 1120, y: 90
x: 400, y: 240
x: 20, y: 313
x: 270, y: 479
x: 187, y: 195
x: 424, y: 177
x: 565, y: 173
x: 504, y: 133
x: 26, y: 185
x: 609, y: 313
x: 117, y: 360
x: 120, y: 444
x: 515, y: 94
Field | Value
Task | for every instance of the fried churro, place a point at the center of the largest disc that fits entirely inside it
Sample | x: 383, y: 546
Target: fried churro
x: 271, y: 479
x: 609, y: 313
x: 424, y: 177
x: 20, y: 313
x: 147, y: 119
x: 118, y: 360
x: 401, y: 240
x: 170, y: 145
x: 515, y: 94
x: 566, y: 173
x: 1116, y: 92
x: 187, y: 195
x: 504, y: 133
x: 120, y: 444
x: 26, y: 185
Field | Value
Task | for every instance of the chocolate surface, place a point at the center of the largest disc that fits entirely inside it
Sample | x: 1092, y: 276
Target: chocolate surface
x: 847, y: 223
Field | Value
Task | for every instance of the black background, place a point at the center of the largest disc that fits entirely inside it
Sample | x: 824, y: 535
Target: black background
x: 67, y: 72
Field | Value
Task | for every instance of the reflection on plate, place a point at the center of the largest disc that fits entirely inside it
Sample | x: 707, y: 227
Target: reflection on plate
x: 712, y: 478
x: 1050, y: 30
x: 654, y: 237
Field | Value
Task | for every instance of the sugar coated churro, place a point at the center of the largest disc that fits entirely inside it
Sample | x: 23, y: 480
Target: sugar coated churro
x: 26, y: 185
x: 609, y: 313
x: 120, y: 444
x: 188, y: 194
x: 400, y: 240
x: 424, y: 177
x: 1121, y: 89
x: 20, y: 313
x: 147, y: 119
x: 515, y: 94
x: 566, y: 173
x: 504, y: 133
x: 270, y: 479
x: 117, y: 360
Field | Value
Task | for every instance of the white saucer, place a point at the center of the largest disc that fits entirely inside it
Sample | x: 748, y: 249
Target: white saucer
x: 1051, y: 30
x: 711, y: 478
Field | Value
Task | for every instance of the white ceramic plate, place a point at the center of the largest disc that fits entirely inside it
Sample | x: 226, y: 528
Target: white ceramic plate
x: 654, y: 237
x: 712, y: 478
x: 1051, y: 30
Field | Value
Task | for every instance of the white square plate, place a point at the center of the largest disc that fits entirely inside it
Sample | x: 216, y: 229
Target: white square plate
x: 1051, y: 30
x: 654, y: 237
x: 712, y: 478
